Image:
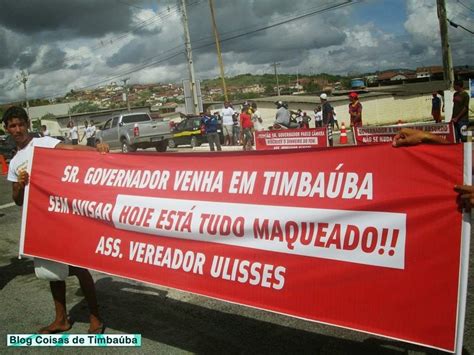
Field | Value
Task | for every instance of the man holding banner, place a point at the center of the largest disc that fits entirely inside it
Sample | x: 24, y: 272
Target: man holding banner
x: 16, y: 123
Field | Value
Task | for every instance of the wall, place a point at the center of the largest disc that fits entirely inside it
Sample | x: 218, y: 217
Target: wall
x: 379, y: 110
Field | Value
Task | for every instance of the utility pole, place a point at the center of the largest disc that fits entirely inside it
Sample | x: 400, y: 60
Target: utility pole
x: 187, y: 42
x: 126, y: 92
x: 23, y: 77
x: 297, y: 81
x: 446, y: 49
x: 274, y: 65
x: 218, y: 48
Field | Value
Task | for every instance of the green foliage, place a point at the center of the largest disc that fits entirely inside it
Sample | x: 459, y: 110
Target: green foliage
x: 311, y: 87
x: 84, y: 107
x: 268, y: 81
x: 36, y: 125
x: 48, y: 116
x: 38, y: 102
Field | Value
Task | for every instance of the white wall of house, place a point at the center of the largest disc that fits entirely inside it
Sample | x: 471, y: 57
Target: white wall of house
x: 380, y: 110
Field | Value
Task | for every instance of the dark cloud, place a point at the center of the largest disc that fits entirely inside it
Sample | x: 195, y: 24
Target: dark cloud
x: 78, y: 66
x: 93, y: 38
x: 414, y: 49
x: 52, y: 58
x: 26, y: 58
x: 87, y: 18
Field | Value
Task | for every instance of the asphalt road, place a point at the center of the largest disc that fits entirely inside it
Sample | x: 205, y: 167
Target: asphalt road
x: 171, y: 321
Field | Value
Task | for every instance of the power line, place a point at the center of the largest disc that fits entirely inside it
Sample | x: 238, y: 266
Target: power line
x: 465, y: 6
x: 456, y: 25
x: 120, y: 74
x: 114, y: 40
x: 312, y: 13
x: 287, y: 20
x: 284, y: 19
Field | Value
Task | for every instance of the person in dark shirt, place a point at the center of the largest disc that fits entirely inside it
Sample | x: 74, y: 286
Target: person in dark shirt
x: 328, y: 118
x: 211, y: 126
x: 460, y: 117
x: 436, y: 107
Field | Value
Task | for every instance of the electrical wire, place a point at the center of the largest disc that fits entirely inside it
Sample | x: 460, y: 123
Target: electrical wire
x: 144, y: 65
x: 465, y: 6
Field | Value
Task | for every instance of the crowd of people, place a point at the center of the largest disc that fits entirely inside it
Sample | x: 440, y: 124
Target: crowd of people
x: 238, y: 126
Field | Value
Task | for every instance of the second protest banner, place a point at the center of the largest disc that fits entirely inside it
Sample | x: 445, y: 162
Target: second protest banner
x: 325, y: 235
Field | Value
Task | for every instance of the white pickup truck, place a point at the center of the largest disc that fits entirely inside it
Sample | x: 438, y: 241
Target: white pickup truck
x: 135, y: 130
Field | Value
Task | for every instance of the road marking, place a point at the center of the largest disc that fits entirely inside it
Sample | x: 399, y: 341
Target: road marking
x: 7, y: 205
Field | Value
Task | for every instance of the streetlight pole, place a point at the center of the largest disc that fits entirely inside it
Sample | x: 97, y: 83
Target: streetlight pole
x: 126, y: 92
x: 218, y: 48
x: 187, y: 42
x: 446, y: 49
x: 274, y: 65
x: 23, y: 77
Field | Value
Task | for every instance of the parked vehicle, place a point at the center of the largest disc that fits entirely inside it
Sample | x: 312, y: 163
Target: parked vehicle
x: 7, y: 147
x: 134, y: 130
x: 190, y: 132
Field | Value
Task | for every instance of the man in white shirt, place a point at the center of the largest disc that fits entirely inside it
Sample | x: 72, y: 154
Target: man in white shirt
x: 45, y: 131
x: 73, y: 133
x: 227, y: 114
x: 256, y: 118
x: 89, y: 134
x: 16, y: 123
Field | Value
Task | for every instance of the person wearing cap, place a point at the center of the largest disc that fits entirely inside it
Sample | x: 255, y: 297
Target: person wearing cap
x: 282, y: 116
x: 355, y: 110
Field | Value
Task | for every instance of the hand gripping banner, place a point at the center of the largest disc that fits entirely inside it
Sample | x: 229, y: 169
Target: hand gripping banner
x: 366, y: 238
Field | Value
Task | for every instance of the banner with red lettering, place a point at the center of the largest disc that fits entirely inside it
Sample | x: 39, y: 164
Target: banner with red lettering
x: 291, y: 139
x: 366, y: 238
x: 385, y: 134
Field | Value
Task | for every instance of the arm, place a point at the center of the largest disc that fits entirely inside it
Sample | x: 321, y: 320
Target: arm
x: 462, y: 112
x: 101, y: 147
x: 465, y: 198
x: 408, y: 137
x: 18, y: 188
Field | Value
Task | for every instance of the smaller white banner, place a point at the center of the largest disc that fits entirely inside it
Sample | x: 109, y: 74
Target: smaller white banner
x: 364, y: 237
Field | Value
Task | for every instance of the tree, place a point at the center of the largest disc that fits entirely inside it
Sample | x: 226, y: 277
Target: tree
x: 311, y: 87
x: 84, y: 107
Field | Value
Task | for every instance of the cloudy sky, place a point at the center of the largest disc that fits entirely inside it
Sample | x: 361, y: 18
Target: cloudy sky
x: 77, y: 44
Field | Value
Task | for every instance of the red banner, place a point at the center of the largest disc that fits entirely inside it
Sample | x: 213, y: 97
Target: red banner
x: 325, y: 235
x: 291, y: 139
x: 385, y: 134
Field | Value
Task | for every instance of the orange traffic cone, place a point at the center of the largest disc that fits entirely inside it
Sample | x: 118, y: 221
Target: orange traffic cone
x: 4, y: 164
x: 343, y: 134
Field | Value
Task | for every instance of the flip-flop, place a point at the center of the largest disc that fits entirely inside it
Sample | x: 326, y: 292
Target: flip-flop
x: 45, y: 330
x: 98, y: 330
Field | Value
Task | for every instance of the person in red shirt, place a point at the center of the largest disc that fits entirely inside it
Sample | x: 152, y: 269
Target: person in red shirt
x: 246, y: 126
x: 355, y: 110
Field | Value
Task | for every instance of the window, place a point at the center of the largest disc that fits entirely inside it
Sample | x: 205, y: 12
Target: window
x: 115, y: 121
x: 142, y: 117
x: 107, y: 125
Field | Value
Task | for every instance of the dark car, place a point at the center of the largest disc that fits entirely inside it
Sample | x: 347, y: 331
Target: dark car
x: 7, y: 147
x: 190, y: 132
